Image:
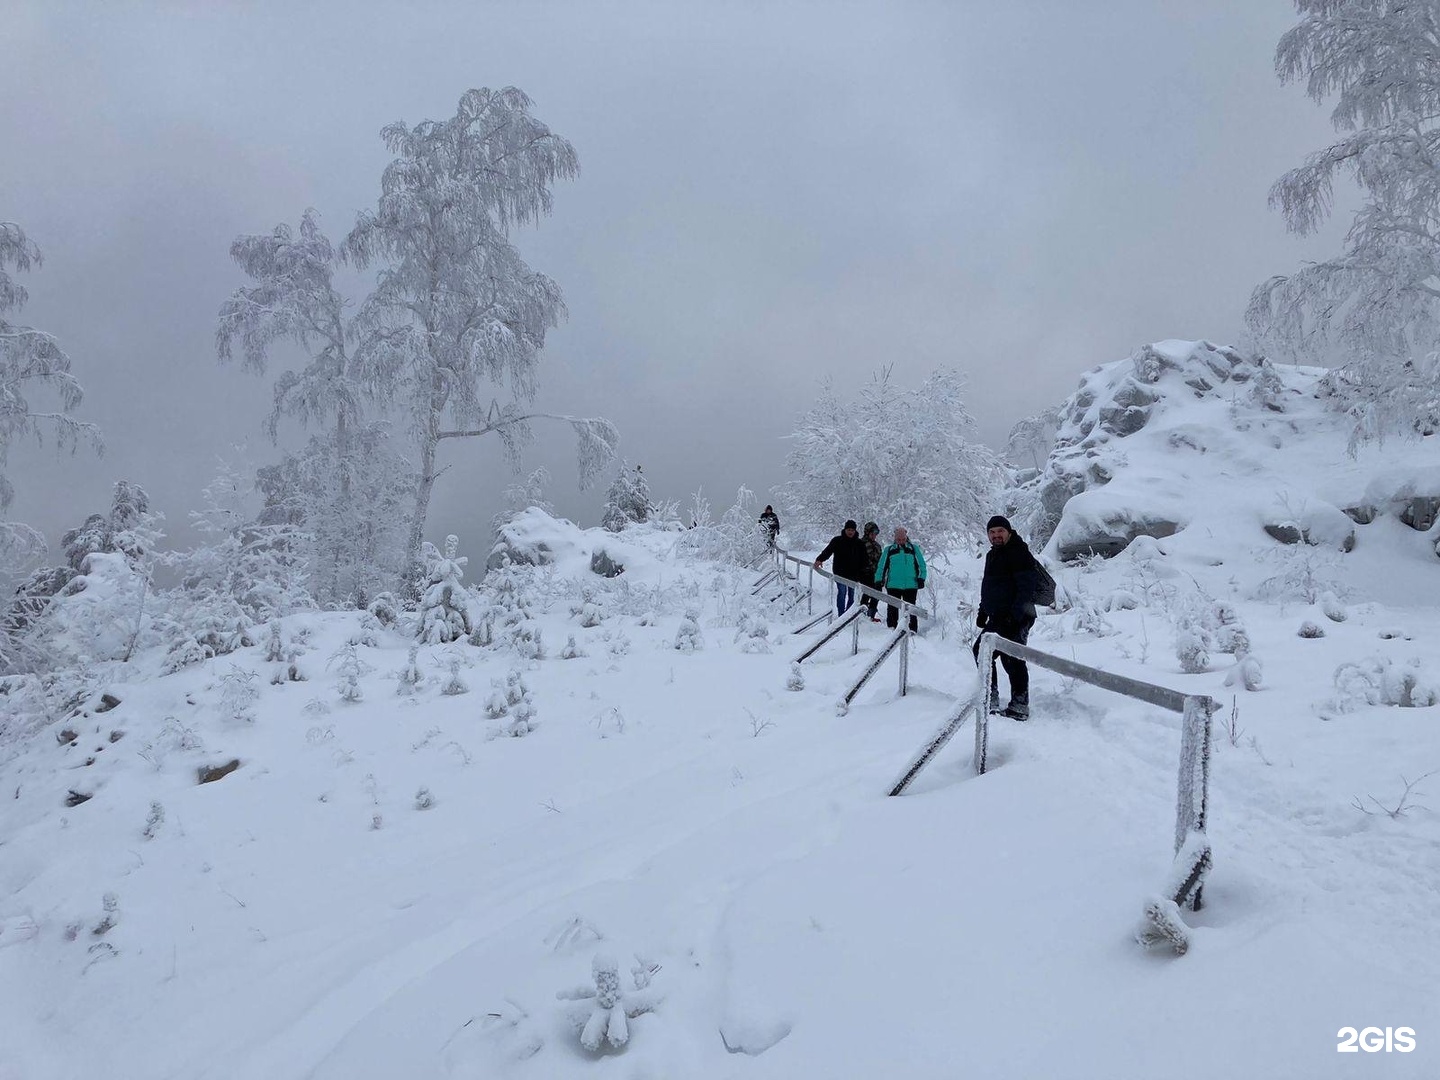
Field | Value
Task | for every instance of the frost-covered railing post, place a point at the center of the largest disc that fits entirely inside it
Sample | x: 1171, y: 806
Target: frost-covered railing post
x: 898, y: 641
x: 1192, y: 846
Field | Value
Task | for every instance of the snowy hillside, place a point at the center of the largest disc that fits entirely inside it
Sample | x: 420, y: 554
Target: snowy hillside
x: 399, y: 885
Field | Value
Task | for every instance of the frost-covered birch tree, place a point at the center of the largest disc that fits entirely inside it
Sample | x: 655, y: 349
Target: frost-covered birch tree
x: 895, y: 456
x: 454, y: 328
x: 1378, y: 301
x: 340, y: 489
x: 31, y: 362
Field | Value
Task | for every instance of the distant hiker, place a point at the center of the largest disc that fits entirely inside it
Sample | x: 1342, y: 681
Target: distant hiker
x: 1007, y: 608
x: 849, y: 552
x: 770, y: 522
x: 901, y: 570
x: 871, y: 537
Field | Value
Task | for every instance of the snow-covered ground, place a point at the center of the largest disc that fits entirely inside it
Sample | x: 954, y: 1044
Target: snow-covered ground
x: 309, y: 915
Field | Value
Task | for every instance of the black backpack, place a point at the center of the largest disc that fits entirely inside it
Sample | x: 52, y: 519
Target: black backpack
x: 1044, y: 586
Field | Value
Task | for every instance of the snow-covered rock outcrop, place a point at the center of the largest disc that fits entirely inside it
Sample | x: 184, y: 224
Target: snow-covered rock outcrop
x: 1202, y: 444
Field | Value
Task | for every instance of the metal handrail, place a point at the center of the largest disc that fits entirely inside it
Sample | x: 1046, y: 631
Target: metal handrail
x: 908, y: 608
x: 1192, y: 795
x: 1192, y: 847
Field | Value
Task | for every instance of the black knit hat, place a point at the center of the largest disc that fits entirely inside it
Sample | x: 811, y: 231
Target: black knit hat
x: 998, y: 522
x: 851, y: 524
x: 871, y: 527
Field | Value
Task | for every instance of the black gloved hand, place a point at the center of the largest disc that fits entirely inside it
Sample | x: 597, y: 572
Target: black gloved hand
x: 980, y: 619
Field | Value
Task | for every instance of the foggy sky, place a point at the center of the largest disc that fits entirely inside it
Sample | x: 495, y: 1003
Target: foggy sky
x: 769, y: 194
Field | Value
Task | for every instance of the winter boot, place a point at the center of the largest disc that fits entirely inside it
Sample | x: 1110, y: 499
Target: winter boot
x: 1019, y: 707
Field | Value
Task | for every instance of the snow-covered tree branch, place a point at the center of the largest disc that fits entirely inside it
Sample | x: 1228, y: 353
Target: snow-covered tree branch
x: 1379, y: 300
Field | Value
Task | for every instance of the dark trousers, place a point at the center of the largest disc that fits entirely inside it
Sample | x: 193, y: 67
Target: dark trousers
x: 1015, y: 668
x: 844, y: 597
x: 892, y: 613
x: 871, y: 603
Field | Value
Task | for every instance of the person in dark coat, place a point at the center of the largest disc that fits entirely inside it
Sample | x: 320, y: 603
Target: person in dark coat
x: 871, y: 539
x: 901, y: 571
x: 1007, y: 608
x: 849, y: 552
x: 770, y: 522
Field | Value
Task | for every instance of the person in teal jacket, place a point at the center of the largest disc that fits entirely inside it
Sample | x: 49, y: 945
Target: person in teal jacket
x: 901, y: 572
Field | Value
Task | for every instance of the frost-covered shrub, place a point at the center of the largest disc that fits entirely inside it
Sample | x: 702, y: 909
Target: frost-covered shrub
x: 688, y: 638
x: 1228, y: 635
x: 736, y: 538
x: 445, y: 604
x: 349, y: 669
x: 591, y: 609
x: 410, y: 677
x: 753, y: 633
x: 1246, y: 673
x: 1087, y: 616
x: 1332, y: 608
x: 386, y: 609
x: 238, y: 693
x: 1381, y: 681
x: 454, y: 684
x: 617, y: 644
x: 154, y: 821
x: 497, y: 704
x: 1311, y: 629
x: 601, y: 1013
x: 571, y: 650
x: 1192, y: 649
x: 423, y: 799
x: 796, y: 679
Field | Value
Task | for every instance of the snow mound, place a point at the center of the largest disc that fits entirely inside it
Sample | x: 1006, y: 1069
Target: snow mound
x: 535, y: 538
x: 1208, y: 451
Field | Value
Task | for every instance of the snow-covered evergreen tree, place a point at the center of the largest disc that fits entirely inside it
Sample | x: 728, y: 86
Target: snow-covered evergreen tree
x: 627, y: 501
x: 445, y: 606
x: 457, y: 318
x: 601, y: 1012
x: 1377, y: 300
x: 410, y: 675
x: 895, y: 455
x: 688, y: 637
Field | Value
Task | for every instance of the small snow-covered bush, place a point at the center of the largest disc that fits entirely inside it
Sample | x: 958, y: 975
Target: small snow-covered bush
x: 591, y: 609
x: 1246, y: 673
x: 1192, y: 649
x: 571, y: 650
x: 423, y: 799
x: 1382, y: 681
x: 350, y: 668
x: 753, y: 633
x: 1310, y: 629
x: 1332, y: 608
x: 410, y: 676
x: 386, y: 609
x: 688, y: 638
x: 454, y: 684
x: 796, y: 679
x: 601, y: 1013
x: 497, y: 704
x: 238, y: 694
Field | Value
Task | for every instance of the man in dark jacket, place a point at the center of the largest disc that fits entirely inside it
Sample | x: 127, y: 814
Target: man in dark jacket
x: 1007, y: 608
x: 849, y: 552
x: 770, y: 522
x: 871, y: 539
